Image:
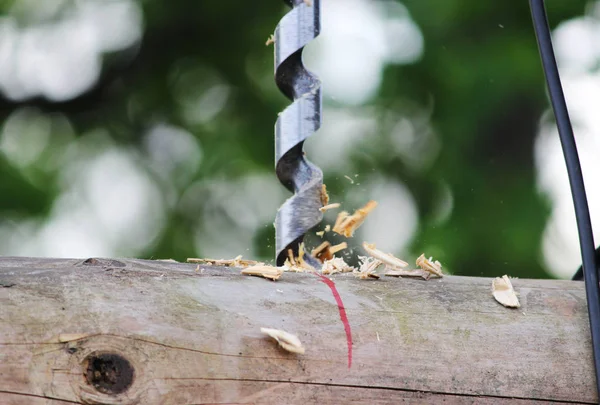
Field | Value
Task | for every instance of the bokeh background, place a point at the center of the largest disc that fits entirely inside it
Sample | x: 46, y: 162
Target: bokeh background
x: 144, y: 128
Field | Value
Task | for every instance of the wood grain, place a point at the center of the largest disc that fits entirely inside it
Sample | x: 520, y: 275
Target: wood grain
x: 193, y: 337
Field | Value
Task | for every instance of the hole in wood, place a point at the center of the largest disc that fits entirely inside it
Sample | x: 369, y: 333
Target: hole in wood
x: 109, y: 373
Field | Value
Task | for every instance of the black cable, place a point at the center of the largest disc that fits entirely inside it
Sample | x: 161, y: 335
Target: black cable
x: 582, y: 214
x: 578, y: 276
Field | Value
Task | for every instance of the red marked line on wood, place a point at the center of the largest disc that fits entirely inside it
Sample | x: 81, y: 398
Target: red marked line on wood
x: 343, y: 315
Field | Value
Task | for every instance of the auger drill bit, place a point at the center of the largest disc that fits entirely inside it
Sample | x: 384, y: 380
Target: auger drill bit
x: 301, y: 119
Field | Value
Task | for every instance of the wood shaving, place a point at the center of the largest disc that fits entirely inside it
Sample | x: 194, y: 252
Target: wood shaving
x: 339, y: 220
x: 327, y: 228
x: 330, y: 207
x: 336, y: 265
x: 339, y: 247
x: 322, y: 252
x: 503, y: 292
x: 324, y: 195
x: 270, y: 272
x: 286, y: 340
x: 320, y: 233
x: 346, y: 224
x: 270, y: 40
x: 297, y: 264
x: 394, y: 272
x: 368, y: 267
x: 350, y: 179
x: 69, y: 337
x: 237, y: 262
x: 429, y: 265
x: 386, y: 258
x: 325, y: 251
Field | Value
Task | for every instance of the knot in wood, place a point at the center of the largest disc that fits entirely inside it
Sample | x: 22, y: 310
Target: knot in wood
x: 109, y: 373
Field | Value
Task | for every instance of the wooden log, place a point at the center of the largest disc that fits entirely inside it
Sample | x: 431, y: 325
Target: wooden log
x: 105, y: 331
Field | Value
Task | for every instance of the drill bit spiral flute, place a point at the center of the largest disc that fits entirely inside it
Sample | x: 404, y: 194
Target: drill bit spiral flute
x: 301, y: 119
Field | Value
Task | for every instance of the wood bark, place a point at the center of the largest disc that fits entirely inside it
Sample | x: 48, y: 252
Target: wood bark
x: 102, y: 331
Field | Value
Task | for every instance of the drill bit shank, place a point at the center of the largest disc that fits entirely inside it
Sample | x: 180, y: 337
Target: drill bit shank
x: 295, y: 124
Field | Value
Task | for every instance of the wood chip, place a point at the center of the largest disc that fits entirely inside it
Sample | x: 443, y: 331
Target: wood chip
x: 503, y: 292
x: 330, y: 207
x: 286, y: 340
x: 346, y: 224
x: 336, y: 265
x: 386, y: 258
x: 368, y: 267
x: 69, y: 337
x: 237, y: 262
x: 324, y: 195
x: 270, y: 40
x: 320, y: 233
x: 394, y: 272
x: 429, y: 265
x: 270, y: 272
x: 327, y: 228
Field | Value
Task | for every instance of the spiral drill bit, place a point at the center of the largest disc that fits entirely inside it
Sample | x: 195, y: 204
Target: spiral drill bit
x: 301, y: 119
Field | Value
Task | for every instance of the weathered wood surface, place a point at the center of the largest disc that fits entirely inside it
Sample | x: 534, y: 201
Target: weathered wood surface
x: 194, y: 337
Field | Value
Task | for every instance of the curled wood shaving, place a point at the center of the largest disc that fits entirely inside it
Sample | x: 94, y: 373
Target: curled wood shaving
x: 504, y: 293
x: 429, y: 265
x: 286, y: 340
x: 330, y: 207
x: 324, y: 195
x: 386, y: 258
x: 346, y: 224
x: 270, y: 40
x: 237, y: 262
x: 368, y: 267
x: 270, y: 272
x: 336, y: 265
x: 394, y: 272
x: 350, y: 179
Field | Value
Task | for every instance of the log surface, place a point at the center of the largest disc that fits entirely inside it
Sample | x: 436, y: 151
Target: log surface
x: 193, y: 337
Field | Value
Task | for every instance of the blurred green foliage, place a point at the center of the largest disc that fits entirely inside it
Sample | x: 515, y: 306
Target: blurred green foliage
x: 480, y: 77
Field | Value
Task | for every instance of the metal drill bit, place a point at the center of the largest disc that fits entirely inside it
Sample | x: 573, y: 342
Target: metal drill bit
x: 301, y: 119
